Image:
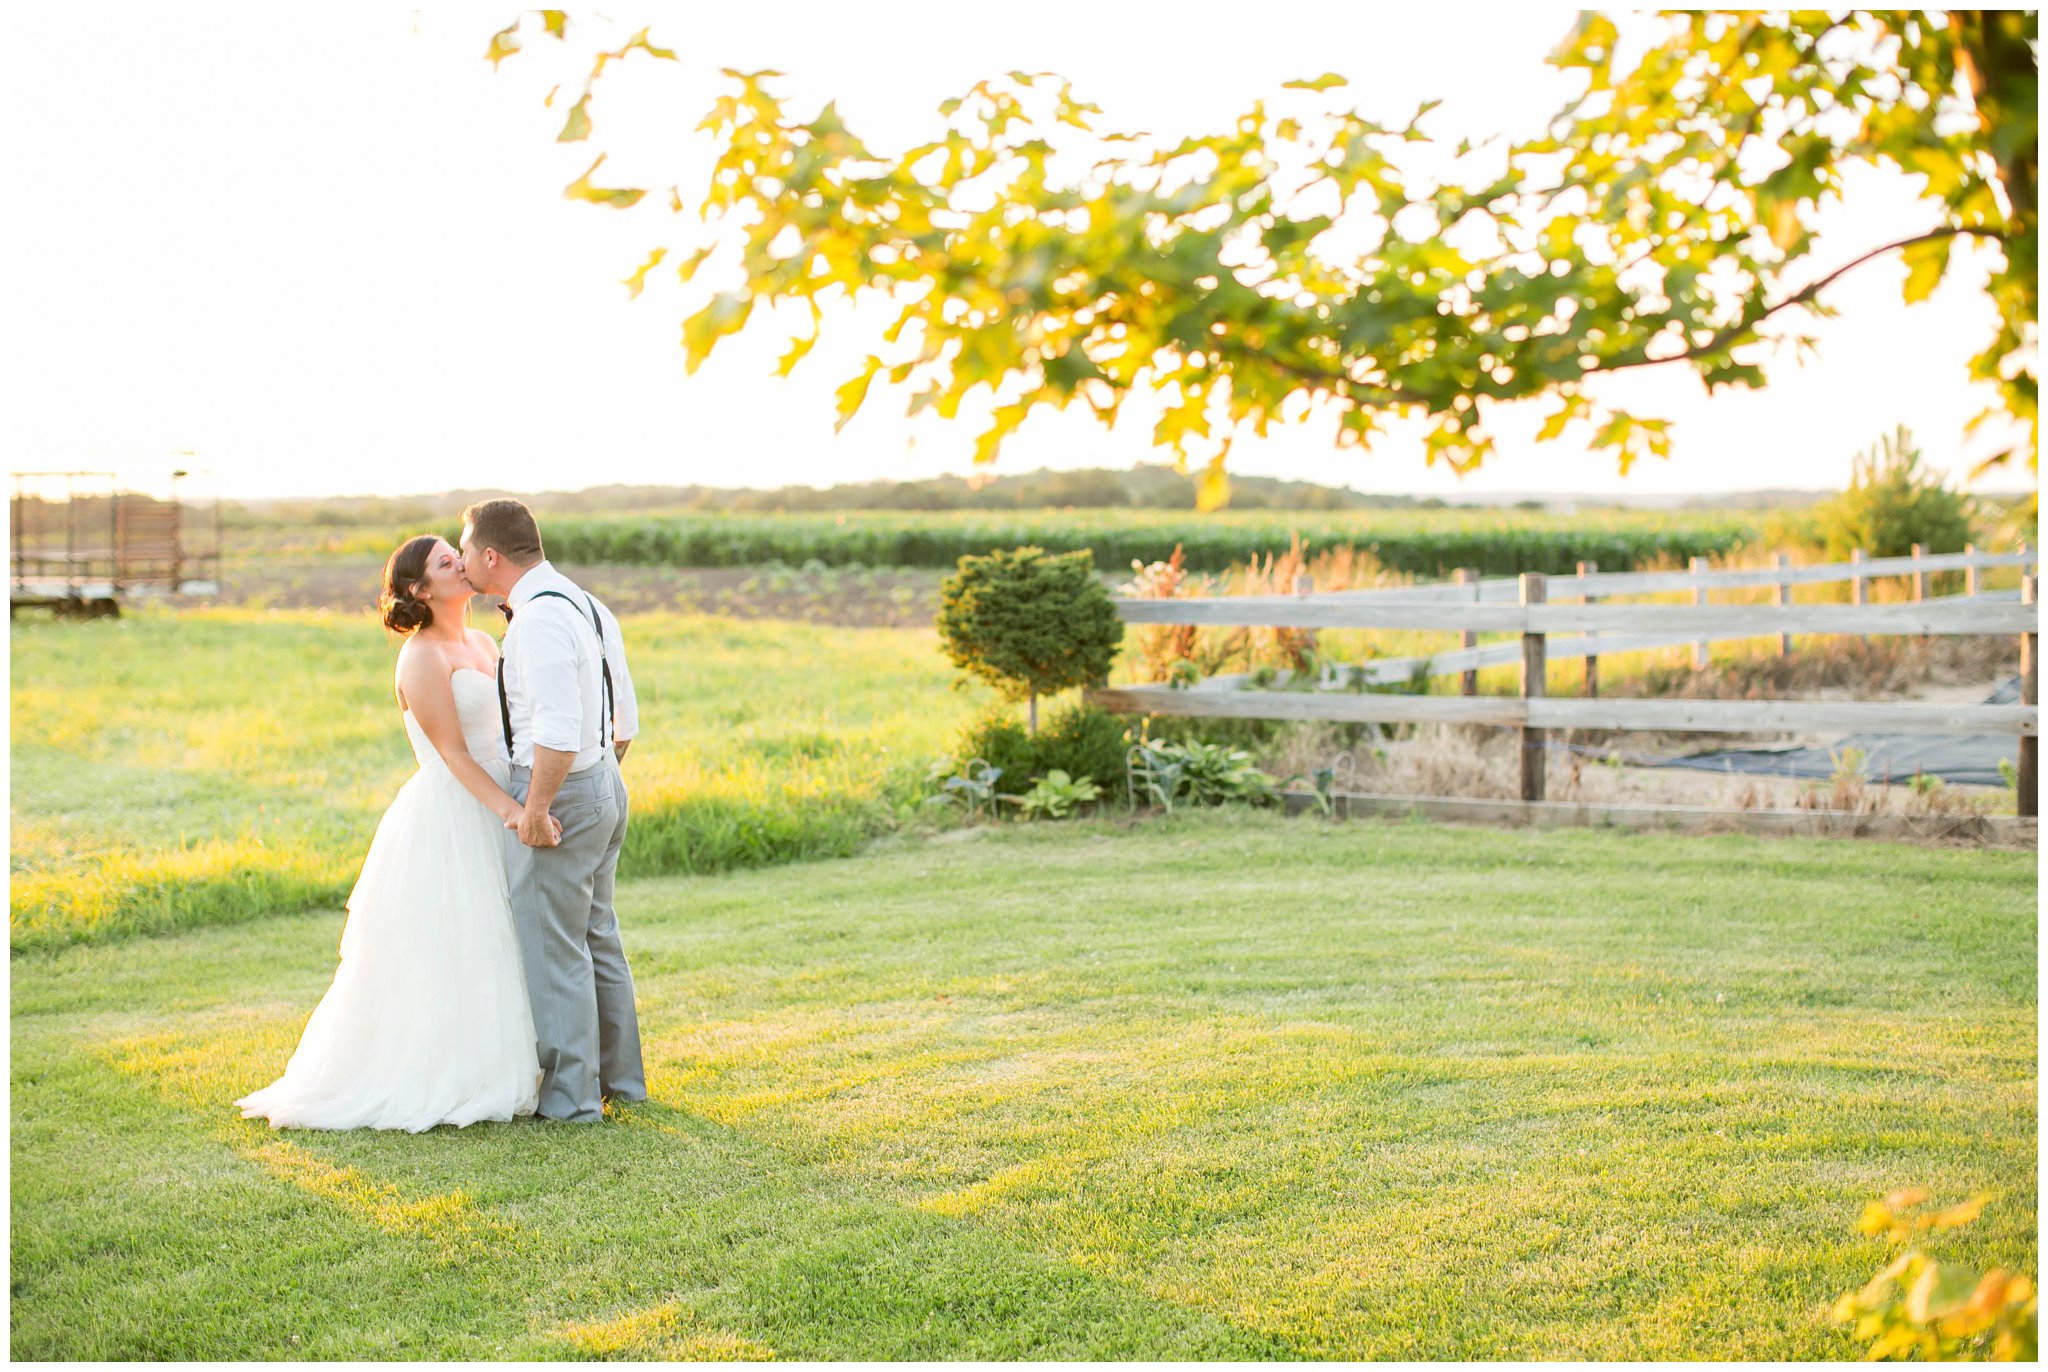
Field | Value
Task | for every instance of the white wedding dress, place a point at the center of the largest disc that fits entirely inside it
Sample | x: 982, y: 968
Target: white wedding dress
x: 427, y: 1021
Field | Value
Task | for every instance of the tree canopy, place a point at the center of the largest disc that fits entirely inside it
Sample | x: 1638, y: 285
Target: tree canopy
x: 1297, y: 261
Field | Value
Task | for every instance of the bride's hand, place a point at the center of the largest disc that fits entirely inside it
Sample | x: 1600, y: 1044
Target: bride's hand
x: 523, y: 825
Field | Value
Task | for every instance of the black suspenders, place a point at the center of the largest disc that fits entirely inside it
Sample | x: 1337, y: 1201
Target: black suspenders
x: 604, y: 668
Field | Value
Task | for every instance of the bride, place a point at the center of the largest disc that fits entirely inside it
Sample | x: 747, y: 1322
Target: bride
x: 427, y: 1021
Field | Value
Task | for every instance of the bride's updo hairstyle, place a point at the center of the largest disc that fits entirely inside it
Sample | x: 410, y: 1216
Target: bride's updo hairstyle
x: 402, y: 574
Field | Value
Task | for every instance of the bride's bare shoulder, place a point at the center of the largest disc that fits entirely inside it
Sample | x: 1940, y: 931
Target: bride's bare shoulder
x: 420, y: 665
x: 482, y: 639
x: 416, y: 653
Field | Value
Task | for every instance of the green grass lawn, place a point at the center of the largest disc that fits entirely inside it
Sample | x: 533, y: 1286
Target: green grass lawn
x: 177, y: 770
x: 1224, y: 1085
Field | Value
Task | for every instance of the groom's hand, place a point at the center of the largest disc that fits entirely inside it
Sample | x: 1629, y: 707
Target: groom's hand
x: 536, y: 828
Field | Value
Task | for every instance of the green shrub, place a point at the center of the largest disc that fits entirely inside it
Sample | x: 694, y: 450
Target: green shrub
x: 1029, y: 622
x: 1085, y: 741
x: 1079, y: 739
x: 1891, y: 504
x: 997, y: 737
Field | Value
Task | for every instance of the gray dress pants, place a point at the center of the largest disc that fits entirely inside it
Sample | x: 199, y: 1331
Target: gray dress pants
x: 576, y: 975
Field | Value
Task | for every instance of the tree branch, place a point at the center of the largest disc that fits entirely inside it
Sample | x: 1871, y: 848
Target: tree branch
x: 1732, y: 335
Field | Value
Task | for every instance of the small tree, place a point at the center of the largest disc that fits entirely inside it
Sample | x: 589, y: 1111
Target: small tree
x: 1893, y: 503
x: 1029, y: 622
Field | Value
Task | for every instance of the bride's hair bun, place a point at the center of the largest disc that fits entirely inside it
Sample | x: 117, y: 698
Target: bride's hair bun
x: 407, y: 568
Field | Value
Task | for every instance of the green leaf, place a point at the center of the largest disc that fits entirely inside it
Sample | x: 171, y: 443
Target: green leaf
x: 1925, y: 263
x: 1573, y: 407
x: 1328, y: 80
x: 687, y: 268
x: 1212, y: 488
x: 581, y: 189
x: 577, y: 127
x: 637, y: 282
x: 854, y: 392
x: 504, y: 43
x: 1006, y: 419
x: 1941, y: 1289
x: 798, y: 347
x: 1069, y: 369
x: 726, y: 314
x: 1784, y: 226
x: 639, y: 40
x: 1634, y: 438
x: 1191, y: 416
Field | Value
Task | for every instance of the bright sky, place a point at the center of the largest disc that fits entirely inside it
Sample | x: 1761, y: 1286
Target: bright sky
x: 327, y: 252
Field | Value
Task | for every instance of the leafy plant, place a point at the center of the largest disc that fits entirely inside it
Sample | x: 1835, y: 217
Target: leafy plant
x: 1029, y: 622
x: 1891, y: 504
x: 998, y: 736
x: 1153, y: 769
x: 1918, y: 1305
x: 974, y: 788
x: 1056, y: 795
x: 1080, y: 739
x: 1202, y: 773
x: 1323, y: 781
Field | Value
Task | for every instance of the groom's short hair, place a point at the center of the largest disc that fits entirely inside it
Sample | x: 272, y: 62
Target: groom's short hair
x: 506, y: 525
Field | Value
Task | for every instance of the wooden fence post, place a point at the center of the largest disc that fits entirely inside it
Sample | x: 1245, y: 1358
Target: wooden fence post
x: 1919, y: 581
x: 2028, y: 802
x: 1533, y: 667
x: 1971, y: 585
x: 1592, y: 659
x: 1859, y: 586
x: 1781, y: 562
x: 1470, y: 638
x: 1698, y: 566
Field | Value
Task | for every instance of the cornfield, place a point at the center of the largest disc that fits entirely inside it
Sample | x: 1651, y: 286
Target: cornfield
x: 1420, y: 543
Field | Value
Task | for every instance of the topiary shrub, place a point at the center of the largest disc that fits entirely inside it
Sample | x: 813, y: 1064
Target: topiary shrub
x: 1030, y: 623
x: 1891, y: 504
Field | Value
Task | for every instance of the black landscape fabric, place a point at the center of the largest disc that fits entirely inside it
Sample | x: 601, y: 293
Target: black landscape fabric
x: 1967, y: 759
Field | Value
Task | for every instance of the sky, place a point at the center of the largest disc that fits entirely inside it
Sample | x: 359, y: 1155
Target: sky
x: 326, y: 253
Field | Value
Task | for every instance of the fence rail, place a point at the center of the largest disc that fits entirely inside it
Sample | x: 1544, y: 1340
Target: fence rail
x: 1470, y: 607
x: 1551, y: 712
x: 1944, y: 615
x: 1601, y: 585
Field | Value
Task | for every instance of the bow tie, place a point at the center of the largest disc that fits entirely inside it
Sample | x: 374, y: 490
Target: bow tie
x: 506, y: 607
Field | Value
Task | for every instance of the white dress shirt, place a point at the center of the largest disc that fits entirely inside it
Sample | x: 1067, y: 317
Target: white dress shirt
x: 553, y: 686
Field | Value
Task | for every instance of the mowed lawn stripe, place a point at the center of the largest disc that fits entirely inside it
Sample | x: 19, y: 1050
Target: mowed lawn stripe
x: 1223, y: 1085
x: 147, y: 1224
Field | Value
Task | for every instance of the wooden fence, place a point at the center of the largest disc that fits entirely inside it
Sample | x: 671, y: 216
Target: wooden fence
x: 1539, y: 612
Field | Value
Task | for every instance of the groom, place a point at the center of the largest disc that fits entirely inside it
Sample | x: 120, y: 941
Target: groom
x: 569, y: 715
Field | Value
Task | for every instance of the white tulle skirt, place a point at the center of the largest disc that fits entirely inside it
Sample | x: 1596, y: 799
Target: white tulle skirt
x: 427, y: 1021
